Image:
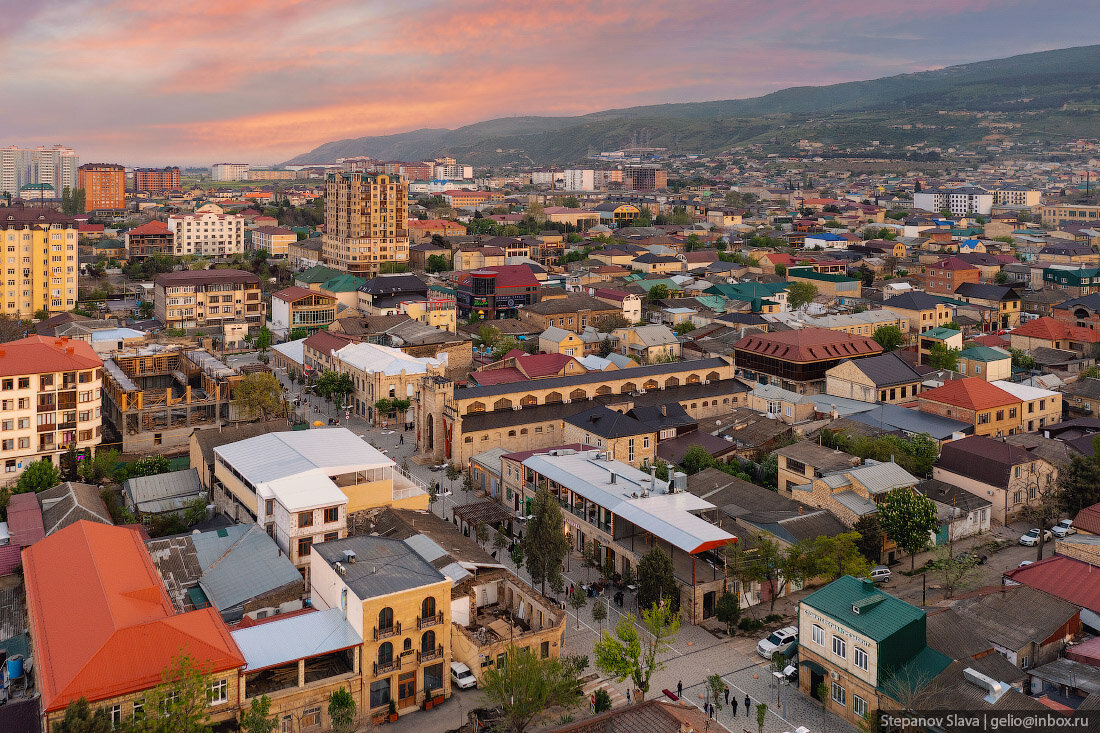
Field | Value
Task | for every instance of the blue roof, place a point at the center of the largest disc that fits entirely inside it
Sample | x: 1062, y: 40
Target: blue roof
x: 827, y: 236
x: 239, y: 563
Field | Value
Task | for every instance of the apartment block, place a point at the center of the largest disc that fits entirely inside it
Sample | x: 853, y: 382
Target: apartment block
x: 21, y: 167
x: 49, y: 400
x: 366, y: 222
x: 229, y: 171
x: 1056, y: 215
x: 39, y: 261
x: 958, y: 201
x: 104, y: 186
x: 644, y: 178
x: 209, y: 232
x: 580, y: 180
x: 157, y: 180
x: 273, y: 240
x: 201, y: 298
x: 1015, y: 196
x: 152, y: 238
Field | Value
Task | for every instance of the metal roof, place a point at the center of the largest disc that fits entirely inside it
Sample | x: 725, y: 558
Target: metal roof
x: 382, y: 566
x: 273, y: 456
x: 296, y: 637
x: 239, y: 563
x: 878, y: 623
x: 881, y: 477
x: 855, y: 503
x: 892, y: 417
x: 164, y: 492
x: 669, y: 517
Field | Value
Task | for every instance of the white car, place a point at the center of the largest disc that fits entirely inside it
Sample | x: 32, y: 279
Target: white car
x: 1031, y: 537
x: 778, y: 641
x: 1063, y: 528
x: 880, y: 574
x: 462, y: 676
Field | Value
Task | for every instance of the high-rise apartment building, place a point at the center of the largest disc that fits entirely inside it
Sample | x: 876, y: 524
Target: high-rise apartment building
x: 580, y: 180
x: 645, y: 178
x: 229, y: 171
x: 22, y: 167
x: 104, y: 186
x: 39, y: 261
x: 366, y: 222
x: 49, y: 400
x: 155, y: 180
x: 208, y: 232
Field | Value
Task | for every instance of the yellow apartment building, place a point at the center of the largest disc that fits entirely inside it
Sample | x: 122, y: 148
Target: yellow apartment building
x: 40, y: 261
x: 275, y: 241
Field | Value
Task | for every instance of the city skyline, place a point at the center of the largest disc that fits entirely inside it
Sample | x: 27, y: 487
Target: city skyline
x: 145, y: 84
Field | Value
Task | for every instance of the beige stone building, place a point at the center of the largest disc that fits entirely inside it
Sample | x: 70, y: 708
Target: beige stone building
x: 275, y: 241
x: 383, y: 373
x: 201, y: 298
x: 366, y: 222
x: 50, y: 397
x: 208, y: 231
x: 884, y: 378
x: 651, y: 344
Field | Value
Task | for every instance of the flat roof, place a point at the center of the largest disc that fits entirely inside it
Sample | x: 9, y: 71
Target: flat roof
x: 274, y: 456
x: 382, y: 565
x: 667, y: 516
x: 284, y: 640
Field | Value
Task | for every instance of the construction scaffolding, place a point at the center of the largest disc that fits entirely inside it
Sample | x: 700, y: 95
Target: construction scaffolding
x: 156, y: 395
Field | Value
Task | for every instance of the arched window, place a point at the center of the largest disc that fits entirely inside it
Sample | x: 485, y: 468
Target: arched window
x: 603, y: 389
x: 650, y: 384
x: 427, y: 642
x: 693, y: 379
x: 528, y: 400
x: 385, y: 653
x: 408, y: 644
x: 672, y: 382
x: 578, y: 394
x: 385, y: 618
x: 503, y: 404
x: 553, y: 397
x: 627, y: 388
x: 475, y: 407
x: 511, y: 433
x: 427, y: 608
x: 713, y: 377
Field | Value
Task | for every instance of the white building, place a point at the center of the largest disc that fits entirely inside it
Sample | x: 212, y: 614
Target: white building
x: 580, y: 180
x: 959, y: 201
x: 20, y: 167
x: 229, y: 171
x: 208, y: 232
x: 452, y: 172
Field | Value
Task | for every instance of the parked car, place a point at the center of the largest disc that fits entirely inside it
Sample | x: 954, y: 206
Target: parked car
x: 1031, y: 537
x: 462, y: 676
x: 777, y: 641
x: 1063, y: 528
x: 880, y: 574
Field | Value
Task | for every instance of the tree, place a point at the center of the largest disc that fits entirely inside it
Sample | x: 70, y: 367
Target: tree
x: 871, y: 537
x: 504, y: 346
x: 832, y: 557
x: 80, y: 718
x: 606, y: 347
x: 656, y: 581
x: 1001, y: 277
x: 728, y: 610
x: 180, y: 703
x: 781, y: 270
x: 590, y: 556
x: 955, y: 571
x: 487, y: 336
x: 941, y: 357
x: 888, y: 337
x: 526, y: 685
x: 601, y: 701
x: 657, y: 292
x: 823, y: 698
x: 93, y: 469
x: 1022, y: 360
x: 383, y: 406
x: 263, y: 339
x: 256, y: 719
x: 341, y: 710
x: 577, y: 601
x: 148, y: 466
x: 715, y: 688
x: 38, y: 476
x: 545, y: 544
x: 660, y: 469
x: 631, y: 653
x: 517, y: 556
x: 761, y: 715
x: 908, y: 519
x: 437, y: 263
x: 800, y: 294
x: 258, y: 395
x: 683, y: 328
x: 1079, y: 482
x: 599, y: 612
x: 696, y: 459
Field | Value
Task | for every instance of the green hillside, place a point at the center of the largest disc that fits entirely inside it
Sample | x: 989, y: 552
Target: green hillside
x: 1050, y: 94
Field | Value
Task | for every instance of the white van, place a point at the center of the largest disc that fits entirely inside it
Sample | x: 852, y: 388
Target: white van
x: 462, y: 676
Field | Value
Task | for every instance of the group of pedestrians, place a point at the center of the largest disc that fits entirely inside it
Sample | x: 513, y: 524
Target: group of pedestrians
x: 709, y: 708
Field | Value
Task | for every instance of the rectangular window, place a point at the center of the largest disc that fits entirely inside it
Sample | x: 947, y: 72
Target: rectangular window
x: 859, y: 706
x: 332, y: 514
x: 861, y: 658
x: 840, y: 647
x: 839, y: 696
x: 305, y: 519
x: 379, y: 693
x: 1000, y: 414
x: 116, y: 716
x: 819, y: 635
x: 544, y: 650
x: 269, y: 507
x: 304, y: 543
x: 218, y: 692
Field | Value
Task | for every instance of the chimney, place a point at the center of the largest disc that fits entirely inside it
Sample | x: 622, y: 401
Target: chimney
x: 614, y: 478
x: 800, y: 510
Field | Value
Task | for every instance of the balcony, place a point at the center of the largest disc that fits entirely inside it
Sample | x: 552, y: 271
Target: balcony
x: 388, y: 667
x: 405, y: 485
x: 387, y: 631
x: 430, y: 656
x: 425, y: 622
x: 47, y: 406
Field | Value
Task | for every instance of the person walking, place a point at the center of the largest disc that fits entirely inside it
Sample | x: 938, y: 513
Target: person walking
x: 727, y: 694
x: 748, y: 704
x: 628, y: 697
x: 734, y: 708
x: 680, y: 689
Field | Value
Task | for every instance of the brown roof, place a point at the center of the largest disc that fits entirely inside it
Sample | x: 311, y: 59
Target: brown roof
x: 32, y: 215
x: 983, y: 459
x: 294, y: 293
x: 808, y: 344
x: 277, y: 231
x: 204, y: 277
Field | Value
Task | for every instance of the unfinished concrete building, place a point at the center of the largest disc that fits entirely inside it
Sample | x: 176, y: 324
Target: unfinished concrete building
x: 156, y: 396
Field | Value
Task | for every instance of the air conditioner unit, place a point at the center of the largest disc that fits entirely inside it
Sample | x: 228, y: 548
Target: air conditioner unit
x: 833, y: 675
x: 566, y: 400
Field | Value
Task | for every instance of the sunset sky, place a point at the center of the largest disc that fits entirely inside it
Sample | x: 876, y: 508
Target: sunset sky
x: 149, y: 82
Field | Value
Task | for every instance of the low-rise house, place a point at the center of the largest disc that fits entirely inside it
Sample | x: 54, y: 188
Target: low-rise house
x: 1052, y: 333
x: 960, y: 513
x: 556, y: 340
x: 1007, y: 475
x: 852, y: 493
x: 798, y: 360
x: 989, y: 409
x: 924, y: 311
x: 1067, y: 578
x: 1041, y: 407
x: 648, y: 344
x: 573, y: 312
x: 1081, y: 397
x: 988, y: 362
x: 803, y: 462
x: 164, y: 493
x: 781, y: 405
x: 948, y: 338
x: 830, y: 285
x: 883, y: 378
x: 619, y: 434
x: 1083, y: 311
x: 297, y: 308
x: 1027, y: 627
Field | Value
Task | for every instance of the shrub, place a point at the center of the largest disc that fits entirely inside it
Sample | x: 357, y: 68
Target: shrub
x: 603, y: 700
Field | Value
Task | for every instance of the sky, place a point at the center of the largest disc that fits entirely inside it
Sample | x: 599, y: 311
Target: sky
x: 194, y: 82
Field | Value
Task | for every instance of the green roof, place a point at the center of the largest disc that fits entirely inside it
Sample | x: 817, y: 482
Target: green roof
x: 983, y: 353
x: 343, y: 283
x: 921, y: 669
x: 747, y: 290
x: 648, y: 285
x: 879, y: 622
x: 808, y: 273
x: 941, y: 332
x: 316, y: 275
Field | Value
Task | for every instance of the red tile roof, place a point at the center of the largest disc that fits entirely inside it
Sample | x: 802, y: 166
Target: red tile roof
x: 274, y: 231
x: 972, y: 393
x: 536, y: 366
x: 522, y: 456
x: 294, y: 293
x: 151, y: 227
x: 25, y: 520
x: 1050, y: 329
x: 90, y: 228
x: 38, y: 354
x: 952, y: 263
x: 205, y: 277
x: 507, y: 375
x: 327, y: 342
x: 126, y: 632
x: 1062, y: 577
x: 808, y: 344
x: 991, y: 339
x: 1087, y: 520
x: 507, y: 276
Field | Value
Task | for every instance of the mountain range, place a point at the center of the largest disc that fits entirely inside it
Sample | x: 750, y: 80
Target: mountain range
x: 1049, y: 95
